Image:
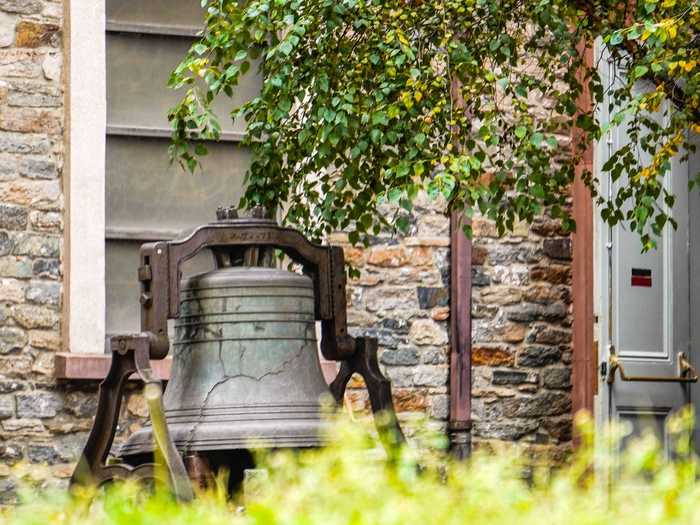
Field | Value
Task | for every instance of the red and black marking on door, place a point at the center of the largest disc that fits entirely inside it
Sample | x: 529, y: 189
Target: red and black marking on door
x: 641, y: 277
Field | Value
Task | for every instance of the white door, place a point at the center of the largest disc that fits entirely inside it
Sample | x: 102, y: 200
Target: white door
x: 649, y: 305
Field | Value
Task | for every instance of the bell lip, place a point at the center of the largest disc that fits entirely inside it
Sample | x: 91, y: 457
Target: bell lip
x: 232, y: 436
x: 246, y: 276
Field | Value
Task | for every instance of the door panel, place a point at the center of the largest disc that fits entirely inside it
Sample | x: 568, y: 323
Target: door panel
x: 650, y: 318
x: 644, y: 420
x: 645, y: 304
x: 639, y: 301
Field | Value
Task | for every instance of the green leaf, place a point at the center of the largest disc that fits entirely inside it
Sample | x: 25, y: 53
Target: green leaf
x: 640, y: 71
x: 616, y: 38
x: 379, y: 118
x: 394, y: 195
x: 520, y: 131
x: 286, y: 48
x: 402, y: 223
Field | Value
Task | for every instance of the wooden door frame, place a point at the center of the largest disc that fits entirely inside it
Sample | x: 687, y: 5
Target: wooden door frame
x: 584, y: 362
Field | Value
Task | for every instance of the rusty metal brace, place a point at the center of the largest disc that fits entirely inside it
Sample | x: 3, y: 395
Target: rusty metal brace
x: 364, y: 362
x: 130, y: 355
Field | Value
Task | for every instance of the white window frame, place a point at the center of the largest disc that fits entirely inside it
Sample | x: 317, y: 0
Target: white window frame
x: 85, y: 80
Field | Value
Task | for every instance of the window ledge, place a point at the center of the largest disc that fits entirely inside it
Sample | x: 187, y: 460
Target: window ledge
x: 95, y: 366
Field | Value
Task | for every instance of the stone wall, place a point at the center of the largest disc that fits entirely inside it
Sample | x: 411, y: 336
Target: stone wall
x: 31, y: 225
x: 521, y: 326
x: 402, y: 298
x: 521, y: 336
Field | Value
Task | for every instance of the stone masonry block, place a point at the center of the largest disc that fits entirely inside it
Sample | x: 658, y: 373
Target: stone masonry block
x: 23, y: 426
x: 10, y: 385
x: 388, y: 257
x: 24, y: 7
x: 439, y: 406
x: 430, y: 376
x: 6, y: 243
x: 513, y: 377
x: 559, y: 248
x: 45, y: 339
x: 31, y: 316
x: 18, y: 267
x: 551, y: 273
x: 7, y: 406
x: 430, y: 297
x: 400, y: 376
x: 545, y: 404
x: 22, y: 143
x: 44, y: 453
x: 33, y: 34
x: 37, y: 245
x: 20, y: 63
x: 537, y: 356
x: 39, y: 404
x: 528, y: 312
x: 46, y: 221
x: 428, y: 332
x: 13, y: 217
x: 7, y: 28
x: 12, y: 339
x: 38, y: 168
x: 557, y: 377
x: 410, y: 399
x: 492, y: 356
x: 44, y: 292
x: 405, y: 356
x: 548, y: 335
x: 47, y: 268
x: 504, y: 430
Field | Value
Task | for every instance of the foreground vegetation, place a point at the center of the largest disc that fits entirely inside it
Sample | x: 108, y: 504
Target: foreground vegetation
x: 353, y: 482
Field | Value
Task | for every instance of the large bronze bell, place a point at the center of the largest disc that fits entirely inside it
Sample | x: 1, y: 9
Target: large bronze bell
x: 245, y: 364
x: 245, y: 367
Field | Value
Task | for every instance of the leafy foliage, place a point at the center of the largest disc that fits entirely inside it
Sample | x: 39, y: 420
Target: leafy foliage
x: 368, y: 102
x: 350, y: 483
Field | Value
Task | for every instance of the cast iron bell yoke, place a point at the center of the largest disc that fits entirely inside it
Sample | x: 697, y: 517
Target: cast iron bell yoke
x: 235, y: 242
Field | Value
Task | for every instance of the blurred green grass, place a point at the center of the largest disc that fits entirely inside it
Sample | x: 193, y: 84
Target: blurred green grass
x: 354, y: 482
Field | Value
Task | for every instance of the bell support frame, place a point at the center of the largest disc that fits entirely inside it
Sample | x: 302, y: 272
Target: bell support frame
x: 160, y: 276
x: 247, y: 240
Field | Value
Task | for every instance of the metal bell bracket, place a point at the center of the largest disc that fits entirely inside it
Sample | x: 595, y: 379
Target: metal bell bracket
x: 130, y: 355
x: 232, y: 240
